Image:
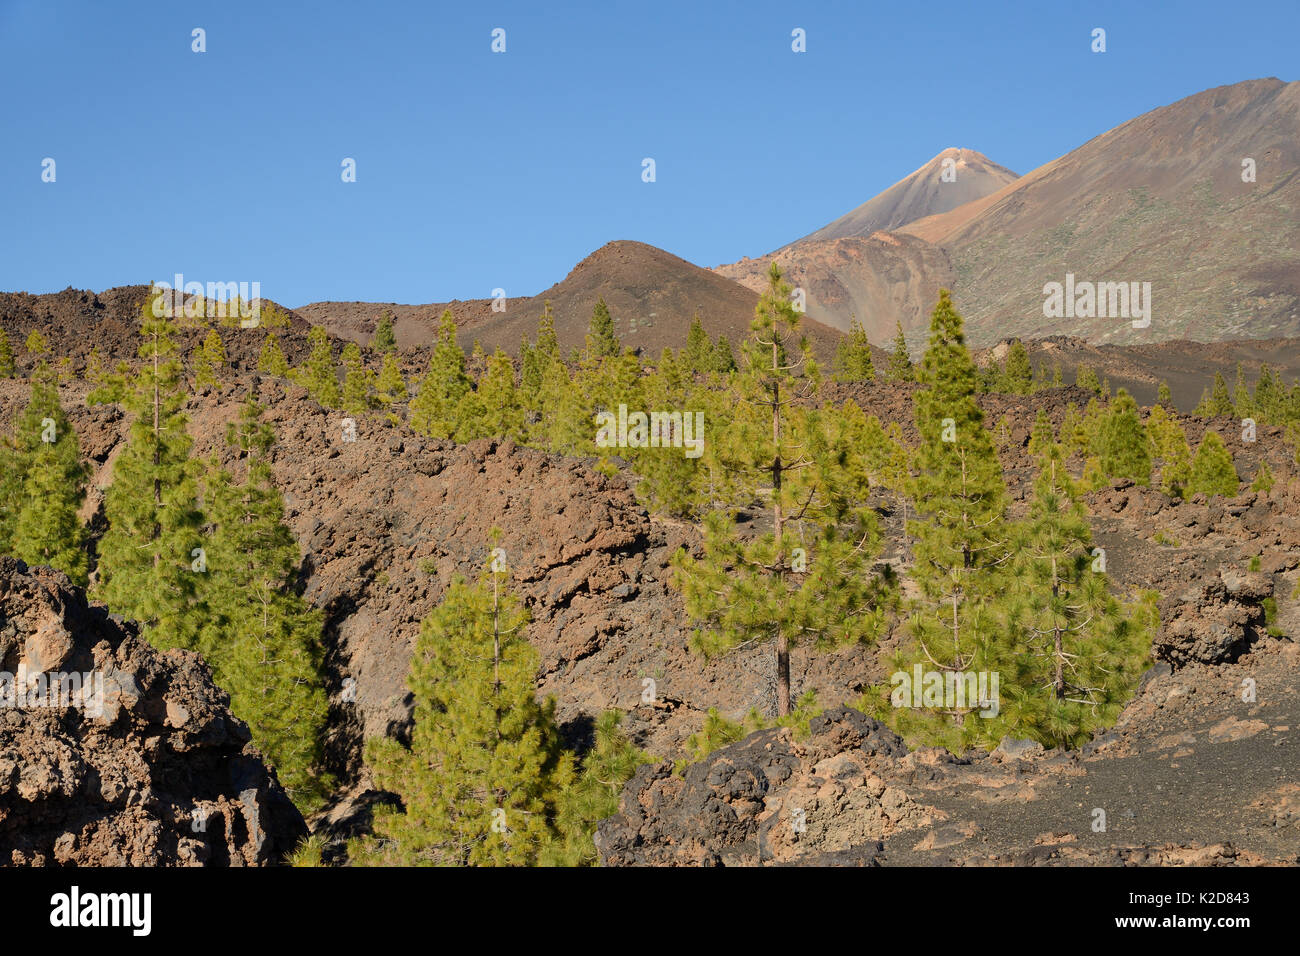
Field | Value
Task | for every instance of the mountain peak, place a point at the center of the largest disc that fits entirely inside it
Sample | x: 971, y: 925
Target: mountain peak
x: 952, y: 178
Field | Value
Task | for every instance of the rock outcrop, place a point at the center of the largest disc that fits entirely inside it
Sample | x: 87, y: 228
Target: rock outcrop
x: 115, y: 754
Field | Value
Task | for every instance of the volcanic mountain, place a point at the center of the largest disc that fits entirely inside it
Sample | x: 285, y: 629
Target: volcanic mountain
x: 953, y: 178
x: 651, y: 294
x: 1200, y: 198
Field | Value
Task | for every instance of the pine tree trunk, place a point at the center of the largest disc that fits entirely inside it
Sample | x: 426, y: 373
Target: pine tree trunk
x: 1059, y: 681
x: 157, y: 456
x: 782, y: 638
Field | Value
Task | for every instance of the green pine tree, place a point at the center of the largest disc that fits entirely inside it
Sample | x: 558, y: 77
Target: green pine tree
x: 699, y: 350
x: 42, y: 483
x: 1079, y: 653
x: 724, y: 360
x: 601, y: 340
x: 319, y: 375
x: 593, y: 795
x: 1220, y: 400
x: 1213, y: 472
x: 853, y: 356
x: 357, y: 380
x: 1122, y: 445
x: 1169, y: 444
x: 261, y: 638
x: 384, y: 341
x: 433, y: 410
x: 962, y: 539
x: 502, y: 413
x: 1263, y: 477
x: 1086, y: 377
x: 1164, y: 396
x: 900, y: 363
x: 391, y: 386
x: 272, y: 360
x: 1017, y: 374
x: 36, y: 344
x: 808, y: 581
x: 209, y: 360
x: 483, y: 777
x: 6, y: 356
x: 151, y: 565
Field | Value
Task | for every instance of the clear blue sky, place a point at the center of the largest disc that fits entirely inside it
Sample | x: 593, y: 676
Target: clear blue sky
x: 477, y: 170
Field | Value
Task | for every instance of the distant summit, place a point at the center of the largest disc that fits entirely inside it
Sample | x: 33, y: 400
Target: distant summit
x: 953, y: 178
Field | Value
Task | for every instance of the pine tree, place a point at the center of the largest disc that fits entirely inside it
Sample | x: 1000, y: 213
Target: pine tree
x: 1242, y: 402
x: 1122, y: 445
x: 502, y: 415
x: 261, y: 638
x: 534, y: 360
x: 319, y: 375
x: 1164, y: 396
x: 807, y: 581
x: 1074, y: 438
x: 1220, y: 401
x: 48, y: 530
x: 671, y: 482
x: 699, y: 350
x: 900, y: 363
x: 1213, y: 472
x: 962, y: 541
x: 601, y: 340
x: 148, y: 569
x: 6, y: 356
x: 566, y: 426
x: 1078, y: 654
x: 356, y: 381
x: 433, y: 410
x: 1268, y: 394
x: 42, y: 481
x: 481, y: 780
x: 1263, y: 477
x: 724, y: 360
x: 1017, y: 374
x: 1169, y: 443
x: 1086, y: 377
x: 853, y: 356
x: 36, y: 344
x: 45, y: 526
x: 272, y: 360
x: 384, y: 341
x: 594, y: 795
x: 209, y: 360
x: 391, y: 385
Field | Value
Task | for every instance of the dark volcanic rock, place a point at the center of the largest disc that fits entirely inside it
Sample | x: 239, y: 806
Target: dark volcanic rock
x: 768, y: 799
x: 145, y: 766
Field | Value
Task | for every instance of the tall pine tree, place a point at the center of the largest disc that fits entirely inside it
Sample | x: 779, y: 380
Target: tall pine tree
x: 261, y: 638
x: 482, y: 778
x: 149, y: 570
x: 808, y: 580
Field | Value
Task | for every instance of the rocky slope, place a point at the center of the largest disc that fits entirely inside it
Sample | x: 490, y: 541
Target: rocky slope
x: 139, y: 763
x: 1191, y: 775
x: 385, y: 521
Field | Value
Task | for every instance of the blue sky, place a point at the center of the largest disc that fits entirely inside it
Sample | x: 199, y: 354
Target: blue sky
x: 478, y: 170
